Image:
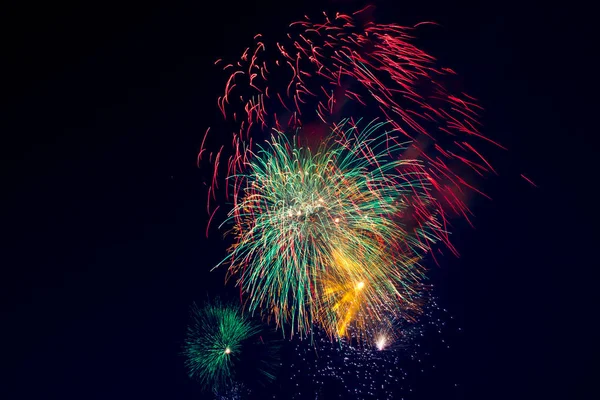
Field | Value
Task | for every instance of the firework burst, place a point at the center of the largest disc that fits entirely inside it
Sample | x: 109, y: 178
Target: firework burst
x: 220, y: 342
x: 343, y: 67
x: 319, y: 236
x: 330, y: 222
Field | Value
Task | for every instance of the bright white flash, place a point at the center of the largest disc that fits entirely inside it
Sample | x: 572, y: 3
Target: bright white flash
x: 381, y: 342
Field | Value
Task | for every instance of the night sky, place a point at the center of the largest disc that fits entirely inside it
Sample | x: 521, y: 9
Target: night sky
x: 103, y: 214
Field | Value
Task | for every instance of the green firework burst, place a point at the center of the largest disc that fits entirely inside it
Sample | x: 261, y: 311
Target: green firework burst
x: 312, y: 222
x: 216, y: 339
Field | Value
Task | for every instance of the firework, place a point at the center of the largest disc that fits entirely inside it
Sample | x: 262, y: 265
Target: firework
x: 318, y: 237
x: 344, y: 67
x: 331, y: 224
x: 220, y: 343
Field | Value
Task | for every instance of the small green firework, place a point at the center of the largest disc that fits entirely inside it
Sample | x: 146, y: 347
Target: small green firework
x: 216, y: 337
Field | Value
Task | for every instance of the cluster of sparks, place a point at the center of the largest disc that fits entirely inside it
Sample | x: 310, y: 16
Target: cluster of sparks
x: 333, y: 217
x: 216, y: 338
x: 379, y: 370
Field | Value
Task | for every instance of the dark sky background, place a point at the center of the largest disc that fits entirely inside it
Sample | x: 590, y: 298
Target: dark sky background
x: 102, y: 211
